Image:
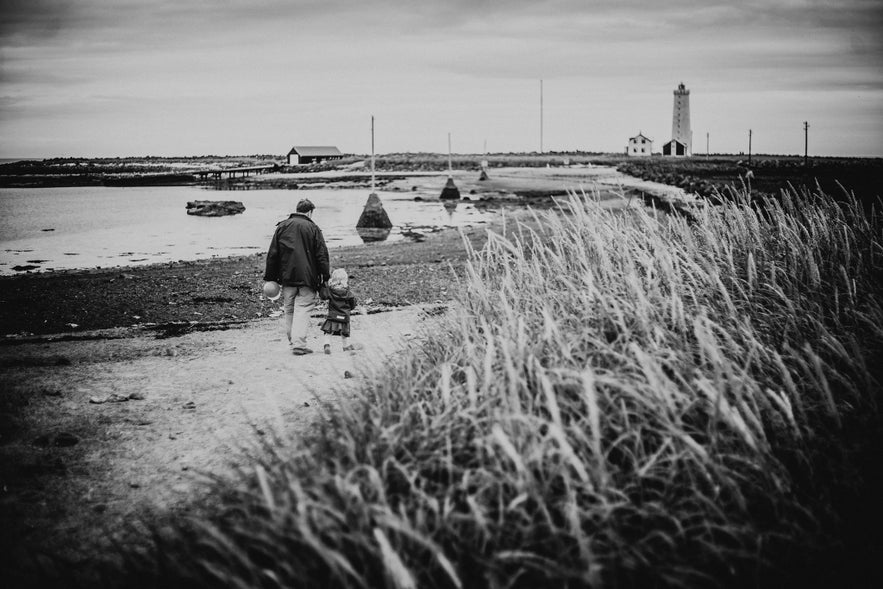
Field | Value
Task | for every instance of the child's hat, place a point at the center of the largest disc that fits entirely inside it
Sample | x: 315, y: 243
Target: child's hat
x: 272, y: 290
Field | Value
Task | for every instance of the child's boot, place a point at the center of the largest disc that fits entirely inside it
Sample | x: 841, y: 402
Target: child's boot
x: 327, y: 349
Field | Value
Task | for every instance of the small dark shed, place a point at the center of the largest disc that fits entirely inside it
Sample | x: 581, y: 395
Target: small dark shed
x: 309, y: 154
x: 674, y: 147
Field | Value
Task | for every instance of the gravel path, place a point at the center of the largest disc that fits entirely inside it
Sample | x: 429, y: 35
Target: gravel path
x: 76, y: 471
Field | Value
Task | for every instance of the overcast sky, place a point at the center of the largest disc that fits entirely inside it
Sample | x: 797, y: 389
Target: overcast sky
x: 190, y: 77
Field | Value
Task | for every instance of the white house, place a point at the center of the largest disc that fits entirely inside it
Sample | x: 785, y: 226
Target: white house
x: 640, y: 145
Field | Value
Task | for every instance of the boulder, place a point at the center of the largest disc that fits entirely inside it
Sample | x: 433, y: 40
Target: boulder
x: 214, y: 208
x: 373, y: 215
x: 373, y: 234
x: 450, y: 191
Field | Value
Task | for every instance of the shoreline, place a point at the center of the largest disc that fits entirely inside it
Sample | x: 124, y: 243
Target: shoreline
x: 227, y: 289
x: 480, y: 200
x: 224, y: 289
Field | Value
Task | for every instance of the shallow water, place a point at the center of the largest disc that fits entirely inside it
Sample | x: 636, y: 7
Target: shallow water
x: 88, y: 227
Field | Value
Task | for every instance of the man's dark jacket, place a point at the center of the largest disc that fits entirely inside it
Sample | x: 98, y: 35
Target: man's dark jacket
x: 298, y: 255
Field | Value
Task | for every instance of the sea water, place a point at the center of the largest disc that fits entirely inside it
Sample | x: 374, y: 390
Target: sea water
x: 88, y: 227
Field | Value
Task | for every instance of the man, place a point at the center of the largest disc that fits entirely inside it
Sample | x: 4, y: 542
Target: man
x: 298, y: 260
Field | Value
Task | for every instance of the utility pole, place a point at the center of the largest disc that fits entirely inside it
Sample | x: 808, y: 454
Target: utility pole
x: 372, y: 154
x: 749, y: 147
x: 541, y: 115
x: 805, y: 144
x: 706, y: 143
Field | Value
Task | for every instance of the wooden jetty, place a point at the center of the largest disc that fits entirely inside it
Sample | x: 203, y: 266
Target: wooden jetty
x: 233, y: 172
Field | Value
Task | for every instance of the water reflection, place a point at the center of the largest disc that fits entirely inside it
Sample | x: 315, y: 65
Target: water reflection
x: 450, y: 206
x: 372, y: 234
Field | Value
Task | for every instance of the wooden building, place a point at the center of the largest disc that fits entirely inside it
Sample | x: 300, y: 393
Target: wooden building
x: 311, y: 154
x: 674, y: 147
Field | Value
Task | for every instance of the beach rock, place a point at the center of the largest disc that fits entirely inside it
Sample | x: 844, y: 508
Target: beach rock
x: 413, y: 235
x: 214, y: 208
x: 373, y: 234
x: 112, y: 398
x: 373, y: 215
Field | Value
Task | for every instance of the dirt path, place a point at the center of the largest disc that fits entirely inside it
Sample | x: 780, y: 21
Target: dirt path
x: 75, y: 471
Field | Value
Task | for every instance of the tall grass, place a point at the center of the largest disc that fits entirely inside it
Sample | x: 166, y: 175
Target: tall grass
x: 620, y: 400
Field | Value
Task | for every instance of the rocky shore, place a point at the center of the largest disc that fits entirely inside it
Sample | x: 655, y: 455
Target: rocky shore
x: 228, y: 290
x: 222, y: 290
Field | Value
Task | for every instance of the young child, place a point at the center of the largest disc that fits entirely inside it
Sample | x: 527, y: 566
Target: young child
x: 340, y: 302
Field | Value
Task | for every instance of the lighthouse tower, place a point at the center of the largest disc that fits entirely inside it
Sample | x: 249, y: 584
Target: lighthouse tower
x: 680, y: 120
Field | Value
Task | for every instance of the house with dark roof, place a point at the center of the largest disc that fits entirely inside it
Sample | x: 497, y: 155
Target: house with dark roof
x: 310, y: 154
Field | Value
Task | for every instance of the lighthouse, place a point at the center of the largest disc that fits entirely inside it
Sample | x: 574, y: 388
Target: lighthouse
x: 680, y: 120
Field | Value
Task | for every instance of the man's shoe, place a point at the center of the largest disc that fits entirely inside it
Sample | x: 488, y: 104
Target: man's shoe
x: 327, y: 349
x: 301, y: 351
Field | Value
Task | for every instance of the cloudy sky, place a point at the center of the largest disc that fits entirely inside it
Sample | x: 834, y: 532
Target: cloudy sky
x: 190, y: 77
